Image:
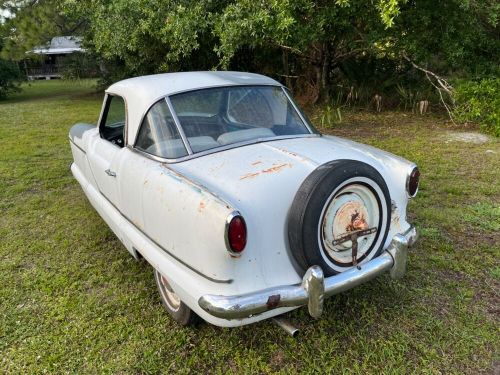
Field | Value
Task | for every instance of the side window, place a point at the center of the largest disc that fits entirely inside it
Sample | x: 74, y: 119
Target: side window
x: 158, y: 134
x: 113, y: 122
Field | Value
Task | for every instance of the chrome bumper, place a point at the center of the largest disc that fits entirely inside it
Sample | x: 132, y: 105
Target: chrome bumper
x: 314, y: 287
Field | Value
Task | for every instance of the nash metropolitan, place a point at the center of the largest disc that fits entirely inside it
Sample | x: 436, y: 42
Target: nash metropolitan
x: 244, y: 211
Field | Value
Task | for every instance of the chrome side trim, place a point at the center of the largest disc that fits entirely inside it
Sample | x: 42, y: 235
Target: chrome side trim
x: 220, y: 281
x: 314, y: 287
x: 78, y: 147
x: 222, y: 148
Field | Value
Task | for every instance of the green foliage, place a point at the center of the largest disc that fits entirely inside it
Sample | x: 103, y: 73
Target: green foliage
x: 10, y: 77
x: 330, y: 116
x: 479, y: 101
x: 151, y: 36
x: 79, y: 65
x: 458, y: 37
x: 147, y: 36
x: 409, y: 97
x: 34, y: 23
x: 319, y: 49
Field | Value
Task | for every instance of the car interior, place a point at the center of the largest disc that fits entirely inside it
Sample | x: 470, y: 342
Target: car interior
x: 114, y: 121
x: 114, y: 133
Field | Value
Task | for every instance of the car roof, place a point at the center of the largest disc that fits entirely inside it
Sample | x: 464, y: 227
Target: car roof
x: 140, y: 93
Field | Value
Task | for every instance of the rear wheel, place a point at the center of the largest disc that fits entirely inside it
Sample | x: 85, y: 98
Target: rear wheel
x: 181, y: 313
x: 337, y: 200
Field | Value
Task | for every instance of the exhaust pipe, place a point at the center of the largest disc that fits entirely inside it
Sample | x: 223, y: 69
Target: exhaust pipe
x: 287, y: 326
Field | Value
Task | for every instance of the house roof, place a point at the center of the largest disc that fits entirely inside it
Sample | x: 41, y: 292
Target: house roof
x: 142, y: 92
x: 60, y: 45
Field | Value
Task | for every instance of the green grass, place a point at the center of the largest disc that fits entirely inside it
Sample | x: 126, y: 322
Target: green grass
x: 73, y: 300
x: 42, y: 89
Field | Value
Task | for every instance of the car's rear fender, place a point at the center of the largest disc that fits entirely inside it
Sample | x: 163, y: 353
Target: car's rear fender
x: 79, y: 136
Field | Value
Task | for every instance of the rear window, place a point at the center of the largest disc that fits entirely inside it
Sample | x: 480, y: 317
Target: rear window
x: 222, y: 116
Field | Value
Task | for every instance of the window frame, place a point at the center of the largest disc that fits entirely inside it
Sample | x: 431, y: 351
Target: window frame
x: 192, y: 155
x: 187, y: 146
x: 104, y: 115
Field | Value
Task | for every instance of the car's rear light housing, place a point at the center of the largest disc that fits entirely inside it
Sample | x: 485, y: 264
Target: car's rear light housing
x: 412, y: 182
x: 236, y: 234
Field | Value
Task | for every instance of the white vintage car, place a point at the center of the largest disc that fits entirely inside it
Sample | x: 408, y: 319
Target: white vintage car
x: 242, y: 208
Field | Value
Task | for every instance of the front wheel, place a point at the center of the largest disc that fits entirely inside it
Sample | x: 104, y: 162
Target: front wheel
x: 181, y: 313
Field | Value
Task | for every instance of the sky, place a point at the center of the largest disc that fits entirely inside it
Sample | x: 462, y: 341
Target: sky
x: 3, y: 14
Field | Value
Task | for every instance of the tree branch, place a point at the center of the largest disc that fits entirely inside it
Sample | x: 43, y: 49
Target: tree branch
x: 440, y: 80
x: 439, y: 83
x: 349, y: 53
x: 291, y: 49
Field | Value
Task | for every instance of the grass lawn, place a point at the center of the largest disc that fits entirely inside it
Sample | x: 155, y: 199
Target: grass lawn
x: 73, y: 300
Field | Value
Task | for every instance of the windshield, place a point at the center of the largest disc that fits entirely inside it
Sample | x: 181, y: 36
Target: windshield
x: 222, y: 116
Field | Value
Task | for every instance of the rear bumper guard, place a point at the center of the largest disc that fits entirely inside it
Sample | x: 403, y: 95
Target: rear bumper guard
x: 314, y: 287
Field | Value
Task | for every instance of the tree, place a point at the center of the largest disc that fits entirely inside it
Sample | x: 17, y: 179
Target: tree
x: 10, y: 76
x: 33, y: 23
x: 149, y: 36
x: 312, y: 37
x: 316, y: 35
x: 452, y: 37
x: 313, y: 45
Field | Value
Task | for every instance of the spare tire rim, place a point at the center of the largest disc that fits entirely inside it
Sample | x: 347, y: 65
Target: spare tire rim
x: 354, y: 207
x: 169, y: 296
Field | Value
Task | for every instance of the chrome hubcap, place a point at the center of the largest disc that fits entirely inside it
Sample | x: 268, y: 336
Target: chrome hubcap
x: 353, y: 208
x: 170, y: 297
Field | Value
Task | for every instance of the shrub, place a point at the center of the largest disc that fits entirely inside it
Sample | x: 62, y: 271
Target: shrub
x: 330, y: 116
x: 80, y: 65
x: 479, y: 101
x: 10, y: 77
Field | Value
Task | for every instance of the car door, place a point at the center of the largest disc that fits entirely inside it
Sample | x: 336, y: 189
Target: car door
x: 158, y: 138
x: 106, y: 148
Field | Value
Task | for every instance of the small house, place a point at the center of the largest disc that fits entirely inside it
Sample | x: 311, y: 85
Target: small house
x: 50, y: 59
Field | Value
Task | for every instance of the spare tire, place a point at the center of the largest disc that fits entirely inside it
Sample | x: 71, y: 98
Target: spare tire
x: 337, y: 199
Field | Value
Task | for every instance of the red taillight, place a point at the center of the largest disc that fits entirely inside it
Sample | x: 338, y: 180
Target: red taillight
x: 236, y: 234
x: 413, y: 180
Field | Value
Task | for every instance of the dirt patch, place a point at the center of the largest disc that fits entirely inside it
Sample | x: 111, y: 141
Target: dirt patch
x: 467, y: 137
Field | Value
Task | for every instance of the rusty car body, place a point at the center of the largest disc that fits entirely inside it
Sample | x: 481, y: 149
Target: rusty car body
x: 242, y: 208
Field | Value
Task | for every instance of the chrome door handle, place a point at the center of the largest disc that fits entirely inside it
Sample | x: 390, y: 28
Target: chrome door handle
x: 109, y: 172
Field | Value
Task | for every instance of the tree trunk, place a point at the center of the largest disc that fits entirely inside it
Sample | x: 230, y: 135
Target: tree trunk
x: 321, y: 66
x: 325, y: 78
x: 26, y: 69
x: 286, y: 69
